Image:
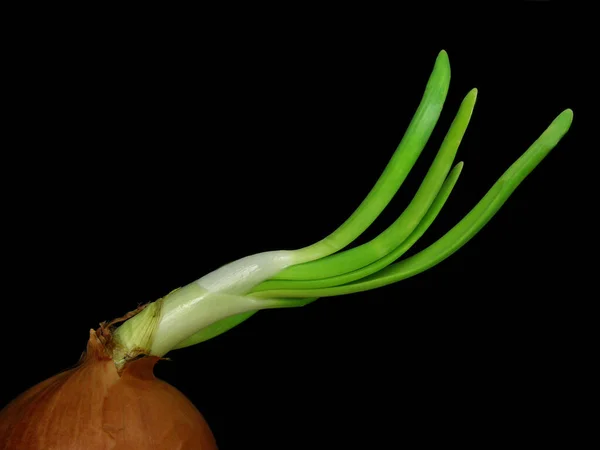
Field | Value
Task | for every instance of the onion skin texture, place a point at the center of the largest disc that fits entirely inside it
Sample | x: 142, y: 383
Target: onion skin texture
x: 93, y: 407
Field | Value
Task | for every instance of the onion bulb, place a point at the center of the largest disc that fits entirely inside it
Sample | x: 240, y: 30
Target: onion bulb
x: 94, y: 407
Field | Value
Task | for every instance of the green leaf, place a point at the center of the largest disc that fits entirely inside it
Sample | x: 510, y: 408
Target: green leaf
x: 461, y: 233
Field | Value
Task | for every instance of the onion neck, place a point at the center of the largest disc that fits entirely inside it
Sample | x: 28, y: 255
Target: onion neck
x: 159, y: 327
x: 136, y: 335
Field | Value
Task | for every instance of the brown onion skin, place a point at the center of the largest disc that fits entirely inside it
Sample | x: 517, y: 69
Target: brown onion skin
x: 93, y: 407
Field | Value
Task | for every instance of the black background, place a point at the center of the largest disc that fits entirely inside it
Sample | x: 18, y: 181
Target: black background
x: 145, y: 159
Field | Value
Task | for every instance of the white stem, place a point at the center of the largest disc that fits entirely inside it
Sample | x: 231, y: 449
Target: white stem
x: 192, y: 308
x: 213, y: 297
x: 238, y: 277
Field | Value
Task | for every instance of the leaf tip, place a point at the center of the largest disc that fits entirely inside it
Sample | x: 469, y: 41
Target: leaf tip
x: 442, y: 57
x: 564, y: 120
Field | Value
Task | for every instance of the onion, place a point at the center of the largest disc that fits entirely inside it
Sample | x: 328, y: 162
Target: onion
x: 112, y: 400
x: 94, y: 407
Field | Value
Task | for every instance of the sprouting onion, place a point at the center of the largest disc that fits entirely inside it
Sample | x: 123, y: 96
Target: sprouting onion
x: 119, y: 402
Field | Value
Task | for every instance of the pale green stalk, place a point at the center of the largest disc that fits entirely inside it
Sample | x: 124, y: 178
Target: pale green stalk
x: 228, y: 323
x: 382, y: 273
x: 231, y: 294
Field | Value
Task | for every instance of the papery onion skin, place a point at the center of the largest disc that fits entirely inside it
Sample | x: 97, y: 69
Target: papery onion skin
x: 93, y: 407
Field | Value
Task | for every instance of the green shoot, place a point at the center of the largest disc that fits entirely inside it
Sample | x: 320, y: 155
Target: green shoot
x: 228, y: 323
x: 381, y: 273
x: 234, y: 292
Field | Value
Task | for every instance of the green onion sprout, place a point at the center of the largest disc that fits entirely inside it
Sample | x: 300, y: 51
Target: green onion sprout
x: 234, y: 292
